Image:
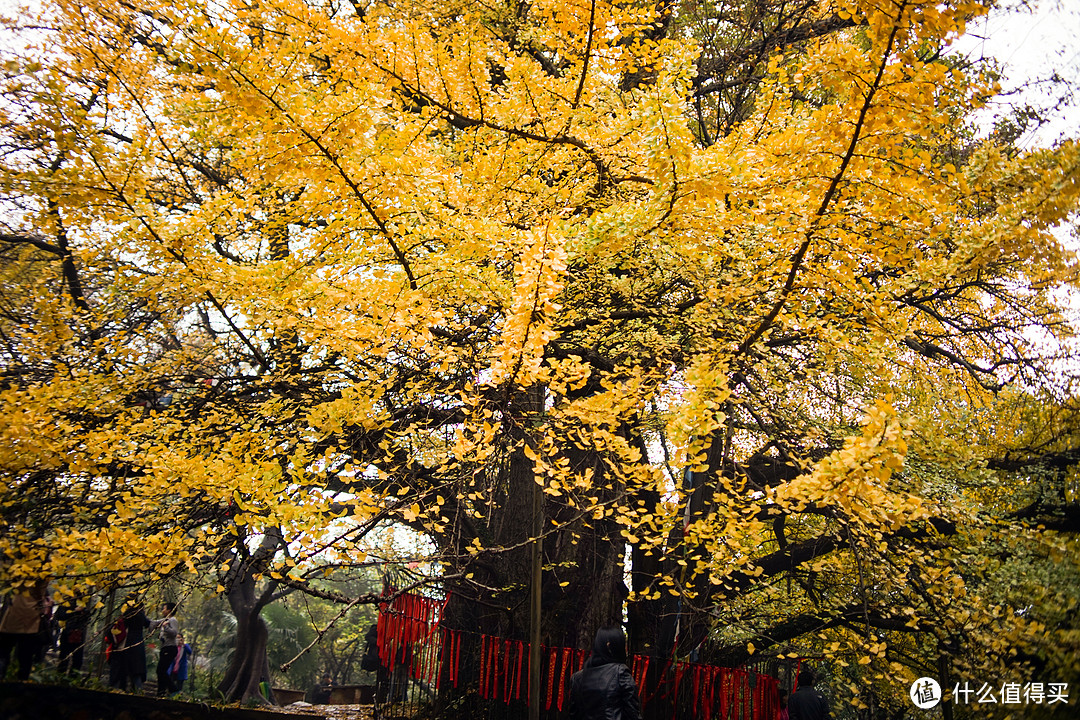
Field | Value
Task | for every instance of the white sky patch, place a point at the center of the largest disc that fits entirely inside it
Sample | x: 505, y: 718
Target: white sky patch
x: 1035, y: 43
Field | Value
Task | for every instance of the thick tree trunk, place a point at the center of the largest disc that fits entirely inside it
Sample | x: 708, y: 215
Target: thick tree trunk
x: 582, y: 586
x: 249, y: 665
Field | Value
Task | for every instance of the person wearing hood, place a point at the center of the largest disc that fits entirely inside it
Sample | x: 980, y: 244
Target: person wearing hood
x: 604, y: 689
x: 807, y: 703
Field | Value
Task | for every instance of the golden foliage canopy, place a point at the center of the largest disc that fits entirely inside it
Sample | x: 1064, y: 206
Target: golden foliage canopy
x: 736, y: 284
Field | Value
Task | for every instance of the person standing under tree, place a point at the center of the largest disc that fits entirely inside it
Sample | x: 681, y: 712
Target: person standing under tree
x: 806, y: 703
x: 168, y: 631
x: 73, y: 618
x: 125, y: 647
x: 604, y: 689
x: 179, y: 670
x: 23, y: 617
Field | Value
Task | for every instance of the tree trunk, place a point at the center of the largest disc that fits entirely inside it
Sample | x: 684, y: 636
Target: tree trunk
x: 249, y: 665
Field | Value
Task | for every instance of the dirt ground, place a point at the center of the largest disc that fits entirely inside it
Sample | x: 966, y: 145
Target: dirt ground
x: 31, y: 701
x: 330, y: 712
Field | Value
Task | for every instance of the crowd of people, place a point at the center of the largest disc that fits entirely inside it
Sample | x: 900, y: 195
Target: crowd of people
x: 31, y: 626
x: 125, y: 649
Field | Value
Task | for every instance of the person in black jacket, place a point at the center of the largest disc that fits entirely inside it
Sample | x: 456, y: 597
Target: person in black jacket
x: 807, y: 703
x: 605, y: 689
x: 127, y: 653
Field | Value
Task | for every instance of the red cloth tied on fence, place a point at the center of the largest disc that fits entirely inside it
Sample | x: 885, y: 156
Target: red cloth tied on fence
x: 680, y: 670
x: 709, y: 692
x: 553, y: 658
x: 663, y: 682
x: 640, y: 672
x: 725, y: 691
x: 493, y: 664
x: 716, y: 685
x: 483, y: 665
x: 406, y: 619
x: 564, y: 675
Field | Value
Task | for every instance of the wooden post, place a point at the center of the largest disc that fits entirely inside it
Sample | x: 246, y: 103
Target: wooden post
x: 535, y: 609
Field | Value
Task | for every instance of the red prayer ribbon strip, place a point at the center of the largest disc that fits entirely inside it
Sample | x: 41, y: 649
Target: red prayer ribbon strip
x: 553, y: 654
x: 563, y: 675
x: 483, y: 666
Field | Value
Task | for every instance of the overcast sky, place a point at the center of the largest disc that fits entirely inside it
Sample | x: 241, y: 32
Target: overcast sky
x: 1033, y: 46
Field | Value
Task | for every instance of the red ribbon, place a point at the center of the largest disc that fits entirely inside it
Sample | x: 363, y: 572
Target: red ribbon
x: 714, y: 688
x: 449, y: 656
x: 493, y: 669
x: 707, y: 675
x: 680, y: 668
x: 563, y: 675
x: 517, y: 678
x: 406, y: 619
x: 725, y: 684
x: 553, y: 654
x: 643, y: 662
x: 483, y: 666
x: 412, y: 610
x: 388, y: 642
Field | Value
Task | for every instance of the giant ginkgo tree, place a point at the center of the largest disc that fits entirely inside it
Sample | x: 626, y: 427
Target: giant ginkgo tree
x: 735, y: 285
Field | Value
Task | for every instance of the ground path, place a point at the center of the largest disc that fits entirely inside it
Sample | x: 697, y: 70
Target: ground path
x: 33, y: 701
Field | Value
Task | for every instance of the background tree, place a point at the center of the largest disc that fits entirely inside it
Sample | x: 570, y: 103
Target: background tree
x: 735, y: 284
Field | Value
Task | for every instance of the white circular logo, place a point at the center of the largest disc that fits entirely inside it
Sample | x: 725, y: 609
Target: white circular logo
x: 925, y: 693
